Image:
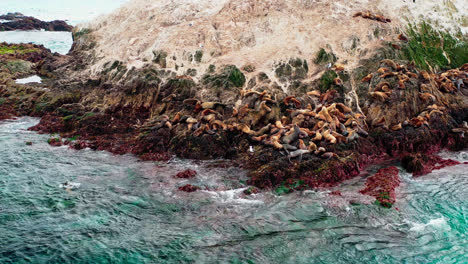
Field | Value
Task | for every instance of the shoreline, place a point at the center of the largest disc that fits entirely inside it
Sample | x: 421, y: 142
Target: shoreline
x: 310, y: 138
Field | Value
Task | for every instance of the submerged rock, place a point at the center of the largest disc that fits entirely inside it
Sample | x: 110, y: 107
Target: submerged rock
x: 189, y: 188
x: 382, y: 186
x: 187, y: 174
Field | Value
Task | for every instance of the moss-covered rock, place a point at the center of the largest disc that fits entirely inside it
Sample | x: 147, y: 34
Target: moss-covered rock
x: 227, y: 78
x: 294, y: 69
x: 324, y: 57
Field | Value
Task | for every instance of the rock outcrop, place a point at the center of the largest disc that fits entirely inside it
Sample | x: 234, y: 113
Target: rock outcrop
x: 17, y: 21
x: 262, y: 83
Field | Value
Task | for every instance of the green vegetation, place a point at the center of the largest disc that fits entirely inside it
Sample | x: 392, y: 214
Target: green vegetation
x: 160, y: 57
x: 74, y: 138
x: 198, y: 55
x: 430, y: 48
x: 68, y: 118
x: 15, y: 66
x: 294, y: 69
x: 2, y: 101
x: 326, y: 81
x: 115, y: 65
x: 81, y: 33
x: 57, y: 139
x: 12, y: 49
x: 88, y: 115
x: 323, y: 57
x: 228, y: 78
x: 288, y: 188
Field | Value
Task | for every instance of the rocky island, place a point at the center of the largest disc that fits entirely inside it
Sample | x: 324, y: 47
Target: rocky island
x: 302, y: 94
x: 17, y: 21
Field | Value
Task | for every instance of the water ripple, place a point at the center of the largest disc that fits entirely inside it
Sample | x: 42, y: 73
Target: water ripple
x: 126, y: 211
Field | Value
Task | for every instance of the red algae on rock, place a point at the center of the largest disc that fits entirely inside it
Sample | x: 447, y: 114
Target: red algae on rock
x: 187, y: 174
x: 422, y: 164
x: 189, y: 188
x: 382, y: 186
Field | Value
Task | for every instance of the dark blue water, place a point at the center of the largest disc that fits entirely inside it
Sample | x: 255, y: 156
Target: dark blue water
x: 126, y: 211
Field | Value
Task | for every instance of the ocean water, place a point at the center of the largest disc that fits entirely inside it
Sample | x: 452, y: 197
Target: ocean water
x: 74, y: 12
x: 120, y: 210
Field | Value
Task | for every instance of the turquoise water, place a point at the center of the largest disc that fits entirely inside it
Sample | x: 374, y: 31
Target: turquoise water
x: 126, y: 211
x: 73, y: 12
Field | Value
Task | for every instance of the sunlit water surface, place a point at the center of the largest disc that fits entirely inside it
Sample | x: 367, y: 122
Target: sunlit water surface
x: 126, y: 211
x: 72, y: 11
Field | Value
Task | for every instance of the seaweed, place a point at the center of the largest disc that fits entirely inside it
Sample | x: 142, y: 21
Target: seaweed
x: 430, y: 48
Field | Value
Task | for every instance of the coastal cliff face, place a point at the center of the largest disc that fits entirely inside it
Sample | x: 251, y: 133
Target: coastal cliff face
x: 304, y: 94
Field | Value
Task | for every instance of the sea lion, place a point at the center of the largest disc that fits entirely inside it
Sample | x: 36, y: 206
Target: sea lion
x: 388, y: 74
x: 320, y: 150
x: 293, y: 136
x: 314, y: 93
x: 461, y: 130
x: 368, y: 78
x: 191, y: 122
x: 288, y: 147
x: 381, y: 96
x: 339, y: 67
x: 403, y: 37
x: 259, y: 138
x: 324, y: 115
x: 279, y: 124
x: 169, y: 98
x: 302, y: 145
x: 243, y: 111
x: 312, y: 147
x: 337, y: 81
x: 263, y: 130
x: 328, y: 155
x: 390, y: 63
x: 264, y: 107
x: 328, y: 96
x: 209, y: 118
x: 352, y: 135
x: 211, y: 105
x: 328, y: 136
x: 460, y: 84
x: 383, y: 70
x: 291, y: 99
x: 380, y: 85
x: 426, y: 76
x: 412, y: 75
x: 235, y: 112
x: 427, y: 97
x: 176, y: 118
x: 362, y: 132
x: 200, y: 130
x: 343, y: 108
x: 220, y: 124
x: 396, y: 46
x: 396, y: 127
x: 298, y: 153
x: 245, y: 129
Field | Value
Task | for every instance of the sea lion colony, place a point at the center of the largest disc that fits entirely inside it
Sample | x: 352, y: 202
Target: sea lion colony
x: 309, y: 124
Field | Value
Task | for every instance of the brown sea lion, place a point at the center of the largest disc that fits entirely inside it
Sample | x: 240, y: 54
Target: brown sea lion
x: 368, y: 78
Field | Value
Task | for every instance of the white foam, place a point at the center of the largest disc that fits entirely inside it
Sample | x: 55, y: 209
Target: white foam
x: 231, y: 196
x: 70, y: 185
x: 31, y: 79
x: 438, y: 223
